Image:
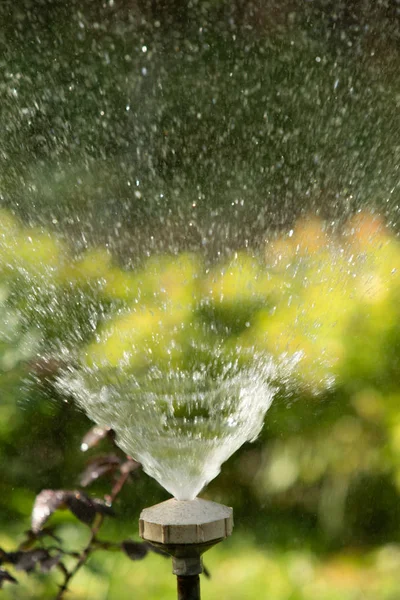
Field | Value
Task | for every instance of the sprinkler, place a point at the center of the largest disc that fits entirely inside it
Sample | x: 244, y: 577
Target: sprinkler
x: 185, y: 529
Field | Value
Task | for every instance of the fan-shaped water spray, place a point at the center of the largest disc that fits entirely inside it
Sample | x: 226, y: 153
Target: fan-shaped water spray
x: 180, y: 425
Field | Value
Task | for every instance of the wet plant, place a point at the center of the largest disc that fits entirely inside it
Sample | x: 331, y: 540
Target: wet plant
x: 42, y: 549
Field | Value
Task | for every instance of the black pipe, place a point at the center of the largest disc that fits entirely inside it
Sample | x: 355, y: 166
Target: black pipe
x: 188, y: 587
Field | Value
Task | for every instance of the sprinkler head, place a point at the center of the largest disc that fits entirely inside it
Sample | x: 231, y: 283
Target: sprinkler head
x: 185, y: 529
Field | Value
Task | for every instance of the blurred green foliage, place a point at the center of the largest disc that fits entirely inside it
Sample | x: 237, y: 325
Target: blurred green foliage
x: 239, y: 570
x: 147, y: 127
x: 325, y: 473
x: 330, y: 448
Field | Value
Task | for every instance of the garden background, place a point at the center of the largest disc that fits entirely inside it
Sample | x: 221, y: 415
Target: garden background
x: 232, y: 142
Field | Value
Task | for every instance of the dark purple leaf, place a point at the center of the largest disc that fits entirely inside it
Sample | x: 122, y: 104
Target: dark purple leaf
x: 82, y: 507
x: 94, y: 436
x: 5, y: 576
x: 27, y: 560
x: 45, y: 504
x: 98, y: 466
x: 156, y: 550
x: 206, y: 572
x: 103, y: 508
x: 135, y: 550
x: 85, y: 508
x: 48, y: 563
x: 3, y: 556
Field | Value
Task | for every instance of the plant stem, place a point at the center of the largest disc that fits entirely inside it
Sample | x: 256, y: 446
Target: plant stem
x: 91, y: 545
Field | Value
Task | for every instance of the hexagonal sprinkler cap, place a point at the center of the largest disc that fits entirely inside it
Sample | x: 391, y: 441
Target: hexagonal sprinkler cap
x: 185, y: 529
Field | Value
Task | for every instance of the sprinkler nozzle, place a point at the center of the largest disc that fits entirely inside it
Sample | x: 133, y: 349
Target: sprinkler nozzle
x: 185, y: 529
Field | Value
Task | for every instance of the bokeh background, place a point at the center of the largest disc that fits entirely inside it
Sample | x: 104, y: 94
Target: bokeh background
x: 263, y: 139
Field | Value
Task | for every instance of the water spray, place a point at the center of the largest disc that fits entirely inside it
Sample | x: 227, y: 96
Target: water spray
x: 186, y: 529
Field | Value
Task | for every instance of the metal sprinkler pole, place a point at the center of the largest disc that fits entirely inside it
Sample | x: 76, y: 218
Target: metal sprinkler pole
x: 186, y: 529
x: 188, y: 587
x: 187, y: 566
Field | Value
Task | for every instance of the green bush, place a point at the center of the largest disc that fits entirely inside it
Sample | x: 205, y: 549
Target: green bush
x: 325, y: 307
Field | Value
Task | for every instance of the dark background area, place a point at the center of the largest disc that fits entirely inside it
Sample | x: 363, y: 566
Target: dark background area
x: 123, y: 122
